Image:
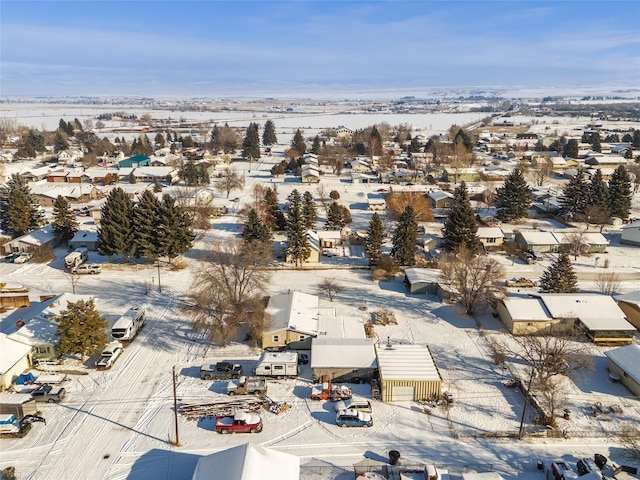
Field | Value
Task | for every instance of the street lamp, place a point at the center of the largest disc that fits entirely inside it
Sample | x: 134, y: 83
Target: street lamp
x: 526, y: 402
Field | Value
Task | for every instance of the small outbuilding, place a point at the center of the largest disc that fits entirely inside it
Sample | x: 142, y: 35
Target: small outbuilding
x: 422, y: 280
x: 525, y: 316
x: 625, y: 362
x: 631, y: 234
x: 14, y: 360
x: 629, y: 303
x: 407, y: 373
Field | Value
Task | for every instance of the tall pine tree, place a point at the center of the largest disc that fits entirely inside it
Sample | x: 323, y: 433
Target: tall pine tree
x: 375, y: 237
x: 82, y: 330
x: 598, y: 191
x: 298, y: 247
x: 575, y: 197
x: 20, y: 212
x: 275, y: 217
x: 405, y: 238
x: 513, y: 199
x: 65, y: 224
x: 560, y: 277
x: 115, y: 233
x: 269, y: 134
x: 175, y: 234
x: 255, y: 230
x: 251, y: 144
x: 298, y: 143
x: 309, y: 211
x: 461, y: 227
x: 146, y: 219
x: 620, y: 193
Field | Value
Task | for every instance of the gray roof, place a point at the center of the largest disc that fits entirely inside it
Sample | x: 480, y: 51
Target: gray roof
x: 406, y: 362
x: 628, y: 359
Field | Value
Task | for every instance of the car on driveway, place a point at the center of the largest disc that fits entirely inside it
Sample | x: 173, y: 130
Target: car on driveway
x: 23, y: 257
x: 362, y: 405
x: 353, y: 418
x: 520, y: 282
x: 10, y: 258
x: 88, y: 268
x: 48, y: 393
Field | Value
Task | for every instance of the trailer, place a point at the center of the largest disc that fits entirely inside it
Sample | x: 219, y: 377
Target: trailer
x: 12, y: 427
x: 18, y: 404
x: 128, y: 325
x: 278, y: 364
x: 76, y: 258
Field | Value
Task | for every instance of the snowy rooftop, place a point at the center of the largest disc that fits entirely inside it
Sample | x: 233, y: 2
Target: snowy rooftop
x: 594, y: 311
x: 295, y: 310
x: 427, y: 275
x: 327, y: 352
x: 539, y: 238
x: 631, y: 298
x: 529, y: 309
x: 490, y: 232
x: 403, y: 362
x: 12, y: 352
x: 331, y: 326
x: 39, y: 330
x: 628, y: 359
x: 248, y: 462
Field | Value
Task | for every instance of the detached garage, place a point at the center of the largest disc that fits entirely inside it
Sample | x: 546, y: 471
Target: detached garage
x: 422, y: 280
x: 625, y: 361
x: 407, y: 373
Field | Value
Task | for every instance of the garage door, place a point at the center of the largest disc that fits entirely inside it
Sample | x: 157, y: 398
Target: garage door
x: 402, y: 394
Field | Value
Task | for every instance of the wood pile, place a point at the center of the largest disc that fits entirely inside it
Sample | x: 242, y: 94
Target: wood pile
x: 226, y: 408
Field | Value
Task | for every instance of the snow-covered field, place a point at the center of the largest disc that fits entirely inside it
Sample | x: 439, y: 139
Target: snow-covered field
x: 119, y: 424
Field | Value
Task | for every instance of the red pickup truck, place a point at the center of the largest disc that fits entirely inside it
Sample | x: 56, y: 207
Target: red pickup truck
x: 240, y: 422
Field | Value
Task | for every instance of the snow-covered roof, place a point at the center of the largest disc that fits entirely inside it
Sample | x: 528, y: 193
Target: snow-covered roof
x: 329, y: 234
x: 635, y: 224
x: 327, y: 352
x: 406, y: 362
x: 596, y: 312
x: 422, y: 275
x: 152, y: 171
x: 294, y: 310
x: 490, y: 232
x: 439, y: 195
x: 331, y: 326
x: 628, y: 359
x: 37, y: 331
x: 248, y: 462
x: 590, y: 238
x: 37, y: 237
x: 539, y: 238
x: 12, y: 352
x: 526, y: 309
x: 632, y: 298
x: 86, y: 235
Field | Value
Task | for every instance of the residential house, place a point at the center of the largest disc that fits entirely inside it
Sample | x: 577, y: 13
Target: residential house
x: 629, y: 303
x: 36, y: 174
x: 528, y: 316
x: 31, y: 241
x: 440, y: 199
x: 87, y: 238
x: 13, y: 362
x: 314, y: 243
x: 407, y: 373
x: 625, y: 362
x: 310, y: 174
x: 602, y: 160
x: 153, y: 174
x: 491, y: 238
x: 329, y: 238
x: 631, y: 234
x: 69, y: 155
x: 422, y: 280
x: 376, y: 201
x: 595, y: 242
x: 360, y: 166
x: 135, y: 161
x: 343, y: 132
x: 536, y: 240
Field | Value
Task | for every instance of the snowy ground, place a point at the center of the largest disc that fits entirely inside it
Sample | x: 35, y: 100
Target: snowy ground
x: 119, y: 423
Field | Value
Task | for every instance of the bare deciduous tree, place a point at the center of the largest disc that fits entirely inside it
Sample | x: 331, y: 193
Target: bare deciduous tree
x: 331, y: 287
x: 577, y: 244
x: 473, y: 277
x: 559, y: 353
x: 227, y: 291
x: 73, y: 278
x: 608, y: 282
x: 229, y: 180
x: 541, y: 171
x: 398, y: 201
x: 629, y: 437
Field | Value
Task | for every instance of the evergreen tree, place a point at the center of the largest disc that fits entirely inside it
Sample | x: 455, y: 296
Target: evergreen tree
x: 254, y: 229
x: 635, y: 142
x: 82, y: 330
x: 620, y: 193
x: 298, y: 143
x: 65, y: 224
x: 20, y: 212
x: 375, y: 142
x: 251, y: 144
x: 189, y: 173
x: 335, y: 220
x: 115, y: 233
x: 513, y: 199
x: 571, y: 148
x: 375, y: 237
x: 462, y: 137
x: 598, y: 191
x: 132, y: 178
x: 275, y: 217
x: 309, y: 211
x: 216, y: 139
x: 575, y: 197
x: 461, y: 227
x: 145, y: 224
x: 315, y: 148
x: 415, y: 146
x: 60, y: 142
x: 159, y: 140
x: 175, y: 234
x: 269, y: 134
x: 78, y: 124
x: 35, y: 139
x: 298, y: 247
x: 628, y: 154
x: 560, y: 277
x: 405, y: 238
x: 595, y: 142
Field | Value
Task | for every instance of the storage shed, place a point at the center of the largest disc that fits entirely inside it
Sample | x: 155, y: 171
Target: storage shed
x: 525, y: 316
x: 14, y: 360
x: 407, y: 373
x: 18, y: 404
x: 422, y: 280
x: 625, y: 361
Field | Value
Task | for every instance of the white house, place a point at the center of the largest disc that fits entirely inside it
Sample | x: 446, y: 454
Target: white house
x: 631, y: 234
x: 14, y: 360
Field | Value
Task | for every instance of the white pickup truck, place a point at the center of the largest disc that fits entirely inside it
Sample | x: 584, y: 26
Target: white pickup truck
x: 89, y: 268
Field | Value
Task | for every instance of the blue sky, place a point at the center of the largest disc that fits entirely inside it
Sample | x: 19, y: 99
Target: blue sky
x: 217, y: 48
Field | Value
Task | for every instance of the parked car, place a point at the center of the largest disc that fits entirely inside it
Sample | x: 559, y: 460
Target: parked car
x: 303, y: 359
x: 23, y: 257
x: 109, y: 355
x: 354, y: 418
x: 586, y: 465
x: 520, y: 282
x: 87, y: 268
x: 48, y: 393
x: 10, y: 258
x: 221, y: 371
x: 362, y: 405
x: 240, y: 422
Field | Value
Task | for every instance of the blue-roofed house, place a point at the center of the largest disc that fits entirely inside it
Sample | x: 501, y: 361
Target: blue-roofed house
x: 135, y: 161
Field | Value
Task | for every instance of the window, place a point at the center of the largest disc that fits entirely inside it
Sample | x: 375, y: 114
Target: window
x: 275, y: 338
x: 491, y: 240
x: 278, y: 367
x: 447, y: 204
x: 301, y: 337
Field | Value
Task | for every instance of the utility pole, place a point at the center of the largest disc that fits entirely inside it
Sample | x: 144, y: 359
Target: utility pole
x: 526, y: 402
x: 175, y: 404
x: 159, y: 286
